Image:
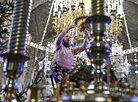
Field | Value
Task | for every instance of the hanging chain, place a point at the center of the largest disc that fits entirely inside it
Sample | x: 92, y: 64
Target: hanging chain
x: 47, y: 23
x: 127, y: 31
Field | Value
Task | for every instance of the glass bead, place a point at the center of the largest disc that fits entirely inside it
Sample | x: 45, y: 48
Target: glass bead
x: 107, y: 40
x: 135, y: 60
x: 123, y: 75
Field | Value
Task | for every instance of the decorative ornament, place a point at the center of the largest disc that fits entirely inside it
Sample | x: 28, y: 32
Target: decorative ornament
x: 126, y: 66
x: 5, y: 29
x: 3, y: 19
x: 135, y: 62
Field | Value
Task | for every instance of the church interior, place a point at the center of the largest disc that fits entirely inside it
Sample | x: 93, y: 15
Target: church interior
x: 106, y: 71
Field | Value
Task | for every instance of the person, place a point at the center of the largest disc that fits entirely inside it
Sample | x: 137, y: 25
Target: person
x: 63, y: 60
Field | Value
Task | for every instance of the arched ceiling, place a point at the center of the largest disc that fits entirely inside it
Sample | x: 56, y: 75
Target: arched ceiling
x: 130, y: 10
x: 38, y: 21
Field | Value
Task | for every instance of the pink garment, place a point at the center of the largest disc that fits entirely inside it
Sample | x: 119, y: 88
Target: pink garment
x: 65, y: 55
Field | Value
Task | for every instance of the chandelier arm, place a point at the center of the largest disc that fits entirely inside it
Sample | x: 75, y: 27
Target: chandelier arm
x: 127, y: 31
x: 47, y: 23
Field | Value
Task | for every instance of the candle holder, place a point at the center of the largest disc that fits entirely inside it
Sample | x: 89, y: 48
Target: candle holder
x: 56, y: 97
x: 98, y: 51
x: 35, y: 93
x: 14, y: 60
x: 80, y: 22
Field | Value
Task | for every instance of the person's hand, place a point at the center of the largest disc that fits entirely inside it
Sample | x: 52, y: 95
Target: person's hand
x: 60, y: 77
x: 86, y: 32
x: 72, y: 26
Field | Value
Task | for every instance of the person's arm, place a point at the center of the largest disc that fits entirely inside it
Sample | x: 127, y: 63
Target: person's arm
x: 61, y: 35
x: 83, y: 46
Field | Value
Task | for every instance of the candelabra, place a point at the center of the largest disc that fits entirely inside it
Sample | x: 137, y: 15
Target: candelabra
x: 34, y: 94
x: 98, y: 51
x: 114, y: 10
x: 15, y: 58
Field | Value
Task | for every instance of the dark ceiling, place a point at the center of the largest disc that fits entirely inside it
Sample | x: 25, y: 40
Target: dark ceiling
x: 130, y: 10
x: 38, y: 21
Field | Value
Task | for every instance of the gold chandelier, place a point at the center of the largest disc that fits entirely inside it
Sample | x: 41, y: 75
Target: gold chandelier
x: 114, y: 10
x: 66, y: 12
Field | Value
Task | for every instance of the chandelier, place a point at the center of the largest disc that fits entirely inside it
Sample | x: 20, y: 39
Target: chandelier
x: 66, y: 12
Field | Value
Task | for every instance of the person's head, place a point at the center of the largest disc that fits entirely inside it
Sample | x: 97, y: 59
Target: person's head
x: 67, y: 38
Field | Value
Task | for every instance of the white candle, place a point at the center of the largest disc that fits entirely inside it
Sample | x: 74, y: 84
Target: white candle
x: 54, y: 7
x: 117, y: 6
x: 77, y: 3
x: 121, y: 13
x: 59, y: 14
x: 61, y: 6
x: 69, y: 7
x: 108, y: 6
x: 112, y: 4
x: 65, y: 3
x: 72, y: 2
x: 120, y: 8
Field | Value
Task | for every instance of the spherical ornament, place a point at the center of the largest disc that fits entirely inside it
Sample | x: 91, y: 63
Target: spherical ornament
x: 113, y: 68
x: 36, y: 58
x: 71, y: 44
x: 134, y: 54
x: 3, y: 19
x: 136, y: 65
x: 80, y: 58
x: 136, y: 68
x: 121, y: 54
x: 5, y: 29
